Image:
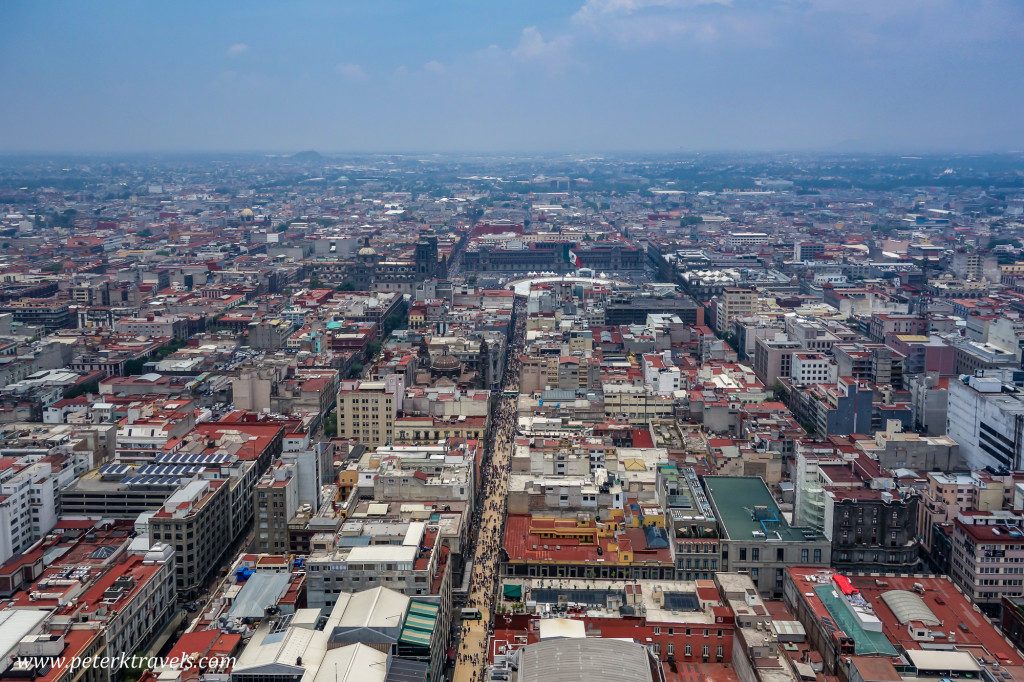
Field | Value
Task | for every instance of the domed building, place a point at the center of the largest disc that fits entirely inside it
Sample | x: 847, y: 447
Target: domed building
x: 446, y: 366
x: 365, y: 267
x: 247, y: 216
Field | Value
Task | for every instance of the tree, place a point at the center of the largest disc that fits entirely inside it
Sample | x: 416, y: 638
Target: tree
x: 331, y: 424
x: 779, y: 390
x: 395, y: 321
x: 134, y: 367
x: 137, y: 665
x: 729, y: 338
x: 347, y: 285
x: 1015, y: 243
x: 64, y: 219
x: 82, y: 389
x: 145, y: 232
x: 373, y: 348
x: 315, y: 282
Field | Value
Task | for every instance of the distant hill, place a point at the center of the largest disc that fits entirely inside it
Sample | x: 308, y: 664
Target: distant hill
x: 307, y: 157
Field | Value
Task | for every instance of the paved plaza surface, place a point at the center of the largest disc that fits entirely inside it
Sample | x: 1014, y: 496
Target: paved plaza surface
x: 472, y: 650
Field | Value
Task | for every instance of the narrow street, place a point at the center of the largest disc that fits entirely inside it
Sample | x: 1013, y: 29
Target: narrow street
x: 471, y: 654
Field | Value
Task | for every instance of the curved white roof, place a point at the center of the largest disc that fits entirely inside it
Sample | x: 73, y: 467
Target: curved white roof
x: 908, y: 606
x: 585, y: 660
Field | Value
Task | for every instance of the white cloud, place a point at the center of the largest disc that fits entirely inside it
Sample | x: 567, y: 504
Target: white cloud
x: 776, y: 23
x: 237, y: 49
x: 533, y: 47
x: 401, y: 72
x: 594, y: 9
x: 434, y: 66
x: 637, y: 23
x: 351, y: 71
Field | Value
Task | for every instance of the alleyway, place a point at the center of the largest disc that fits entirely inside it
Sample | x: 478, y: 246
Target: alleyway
x: 490, y: 521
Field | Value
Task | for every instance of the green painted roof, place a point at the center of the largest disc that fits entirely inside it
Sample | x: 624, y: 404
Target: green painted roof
x: 420, y: 621
x: 423, y: 608
x: 744, y: 505
x: 864, y: 642
x: 415, y: 637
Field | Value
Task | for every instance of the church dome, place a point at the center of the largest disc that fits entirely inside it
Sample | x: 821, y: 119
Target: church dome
x: 366, y: 251
x: 445, y: 362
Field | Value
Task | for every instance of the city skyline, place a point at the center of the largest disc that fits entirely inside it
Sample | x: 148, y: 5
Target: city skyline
x: 600, y: 75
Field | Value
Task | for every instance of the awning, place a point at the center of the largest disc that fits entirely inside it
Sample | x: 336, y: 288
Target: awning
x: 513, y: 591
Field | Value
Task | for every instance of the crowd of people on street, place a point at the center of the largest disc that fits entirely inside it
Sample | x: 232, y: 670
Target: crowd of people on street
x: 488, y: 525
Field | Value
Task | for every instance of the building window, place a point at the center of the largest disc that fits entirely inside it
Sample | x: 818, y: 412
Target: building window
x: 803, y: 555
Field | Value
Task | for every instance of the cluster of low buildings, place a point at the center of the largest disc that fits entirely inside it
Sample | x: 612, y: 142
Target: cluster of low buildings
x: 764, y: 434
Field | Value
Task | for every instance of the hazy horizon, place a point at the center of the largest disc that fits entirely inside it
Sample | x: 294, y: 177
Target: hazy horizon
x: 545, y: 78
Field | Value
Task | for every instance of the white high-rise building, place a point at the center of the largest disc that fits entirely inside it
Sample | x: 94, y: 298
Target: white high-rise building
x: 28, y: 508
x: 986, y: 417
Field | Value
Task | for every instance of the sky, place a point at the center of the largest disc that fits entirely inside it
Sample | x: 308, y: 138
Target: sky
x: 522, y: 76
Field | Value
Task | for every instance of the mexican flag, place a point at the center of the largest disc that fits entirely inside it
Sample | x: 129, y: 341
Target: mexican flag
x: 574, y: 260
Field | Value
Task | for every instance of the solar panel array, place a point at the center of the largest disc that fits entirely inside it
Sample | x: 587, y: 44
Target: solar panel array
x: 151, y: 480
x: 682, y: 601
x: 546, y: 595
x: 192, y: 458
x: 169, y: 469
x: 114, y: 469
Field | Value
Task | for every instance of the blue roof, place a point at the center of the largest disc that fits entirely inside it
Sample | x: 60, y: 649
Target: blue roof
x: 354, y: 541
x: 261, y: 590
x: 656, y: 537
